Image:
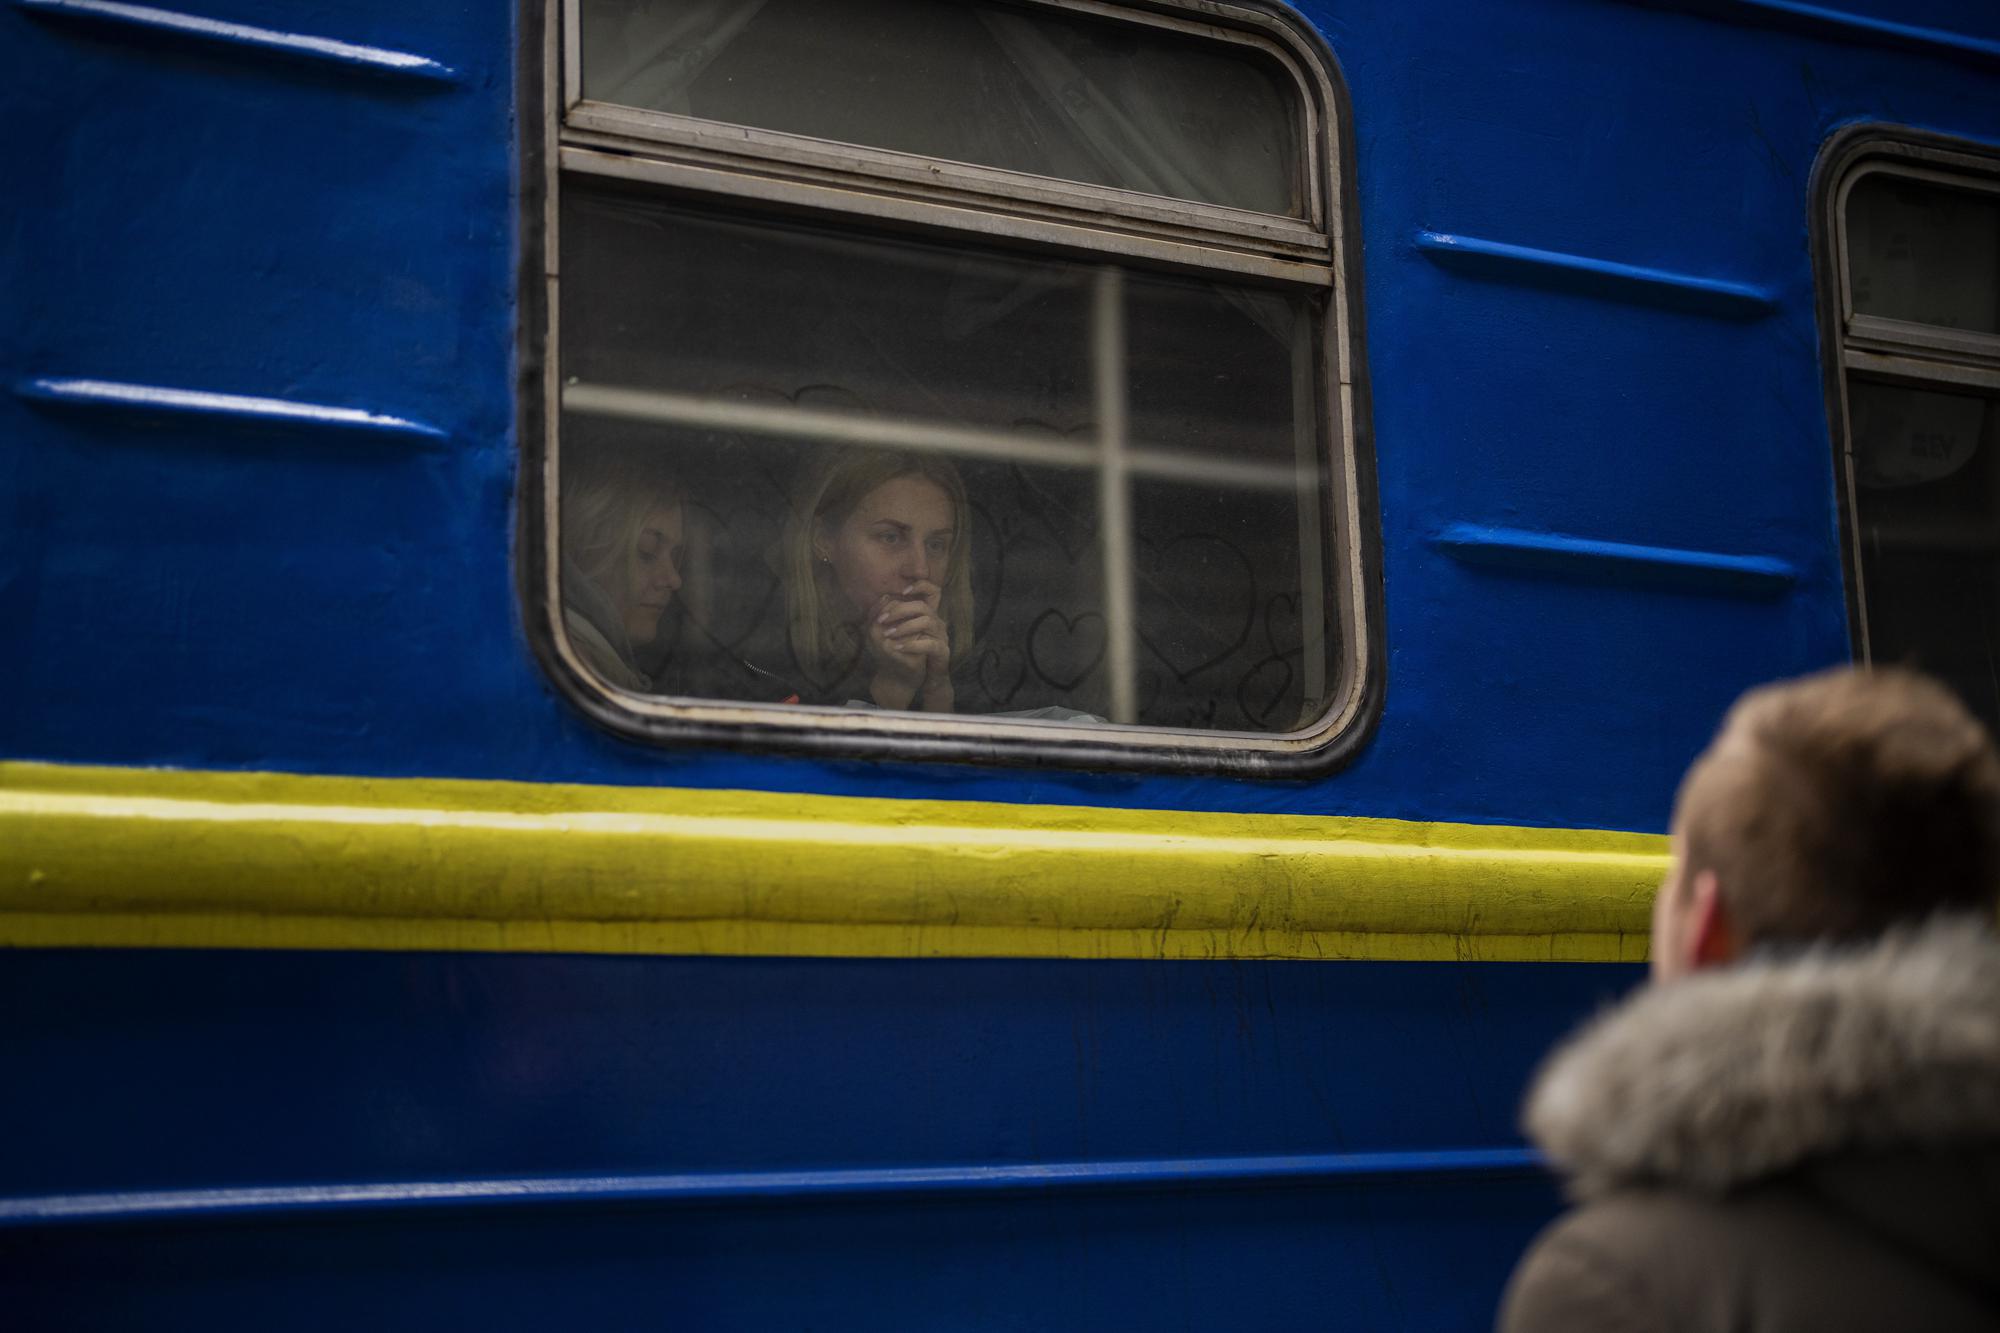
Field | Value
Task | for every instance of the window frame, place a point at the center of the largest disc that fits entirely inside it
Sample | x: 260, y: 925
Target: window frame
x: 690, y: 145
x: 1872, y: 347
x: 690, y: 160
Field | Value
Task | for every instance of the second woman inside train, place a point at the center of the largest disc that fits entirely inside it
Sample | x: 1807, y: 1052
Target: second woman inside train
x: 879, y: 581
x: 623, y: 530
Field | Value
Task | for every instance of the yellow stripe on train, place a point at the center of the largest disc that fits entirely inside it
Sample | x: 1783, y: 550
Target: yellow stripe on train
x: 159, y: 858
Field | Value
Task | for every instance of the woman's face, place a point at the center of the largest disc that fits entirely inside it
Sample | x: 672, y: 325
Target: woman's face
x: 653, y: 571
x: 899, y: 534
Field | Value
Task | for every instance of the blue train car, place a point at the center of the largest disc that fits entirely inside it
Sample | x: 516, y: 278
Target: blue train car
x: 903, y: 664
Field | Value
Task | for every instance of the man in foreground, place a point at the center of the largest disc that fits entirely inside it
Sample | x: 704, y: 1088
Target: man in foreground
x: 1797, y: 1125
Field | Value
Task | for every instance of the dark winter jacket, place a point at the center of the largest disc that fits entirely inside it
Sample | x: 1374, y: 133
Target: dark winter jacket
x: 1808, y: 1143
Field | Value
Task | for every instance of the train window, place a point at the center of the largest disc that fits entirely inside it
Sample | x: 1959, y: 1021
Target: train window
x: 1046, y: 451
x: 1917, y: 224
x: 1058, y: 94
x: 1923, y: 253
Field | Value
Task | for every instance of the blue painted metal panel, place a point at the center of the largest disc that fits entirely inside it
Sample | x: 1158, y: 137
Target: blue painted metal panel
x: 1365, y: 1258
x: 806, y: 1185
x: 1557, y: 555
x: 1590, y: 276
x: 168, y: 24
x: 211, y: 217
x: 170, y: 1070
x: 148, y: 402
x: 762, y: 1084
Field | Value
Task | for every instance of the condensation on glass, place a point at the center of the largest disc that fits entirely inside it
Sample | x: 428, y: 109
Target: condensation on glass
x: 1051, y: 93
x: 809, y: 460
x: 1922, y: 375
x: 1924, y: 253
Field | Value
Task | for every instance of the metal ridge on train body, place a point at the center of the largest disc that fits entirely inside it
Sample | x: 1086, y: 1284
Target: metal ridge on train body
x: 142, y: 857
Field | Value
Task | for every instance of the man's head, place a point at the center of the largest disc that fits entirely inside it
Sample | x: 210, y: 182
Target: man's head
x: 1830, y: 807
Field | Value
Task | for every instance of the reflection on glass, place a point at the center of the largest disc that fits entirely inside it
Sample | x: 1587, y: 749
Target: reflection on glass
x: 930, y: 480
x: 1906, y: 437
x: 1927, y: 502
x: 1025, y: 88
x: 1924, y: 253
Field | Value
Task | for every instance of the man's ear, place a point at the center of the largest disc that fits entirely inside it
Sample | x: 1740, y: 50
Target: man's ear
x: 1712, y: 937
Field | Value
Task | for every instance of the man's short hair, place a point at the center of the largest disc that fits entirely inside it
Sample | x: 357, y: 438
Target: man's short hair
x: 1837, y: 805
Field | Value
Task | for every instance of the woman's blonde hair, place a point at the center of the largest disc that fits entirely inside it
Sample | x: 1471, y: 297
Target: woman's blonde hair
x: 606, y: 494
x: 823, y: 641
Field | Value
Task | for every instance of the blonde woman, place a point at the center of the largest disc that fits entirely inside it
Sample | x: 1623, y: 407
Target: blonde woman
x: 624, y: 528
x: 879, y: 579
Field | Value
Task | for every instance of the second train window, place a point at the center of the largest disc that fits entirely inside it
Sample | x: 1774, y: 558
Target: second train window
x: 1919, y: 259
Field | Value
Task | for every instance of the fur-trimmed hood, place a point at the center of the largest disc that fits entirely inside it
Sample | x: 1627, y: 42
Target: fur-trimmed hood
x: 1733, y: 1075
